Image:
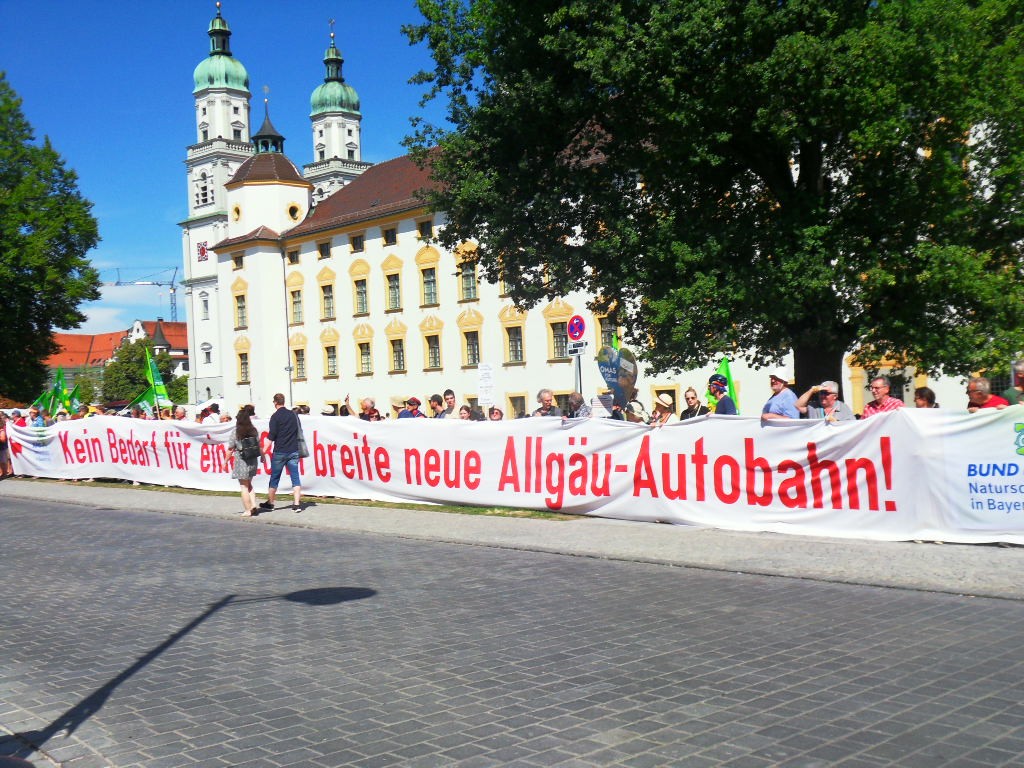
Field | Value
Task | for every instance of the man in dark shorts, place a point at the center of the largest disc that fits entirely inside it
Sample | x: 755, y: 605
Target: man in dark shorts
x: 284, y: 434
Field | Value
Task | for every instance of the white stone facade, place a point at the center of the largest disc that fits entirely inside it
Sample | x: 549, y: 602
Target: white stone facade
x: 369, y: 307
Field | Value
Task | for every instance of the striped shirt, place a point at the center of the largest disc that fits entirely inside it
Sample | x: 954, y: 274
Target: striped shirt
x: 889, y: 404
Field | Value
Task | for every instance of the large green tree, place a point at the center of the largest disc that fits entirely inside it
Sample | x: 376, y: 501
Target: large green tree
x: 124, y: 378
x: 744, y: 176
x: 46, y: 229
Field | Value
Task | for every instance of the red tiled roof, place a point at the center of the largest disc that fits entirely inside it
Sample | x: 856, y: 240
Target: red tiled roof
x: 83, y: 350
x: 260, y: 233
x: 386, y: 188
x: 175, y: 332
x: 267, y: 166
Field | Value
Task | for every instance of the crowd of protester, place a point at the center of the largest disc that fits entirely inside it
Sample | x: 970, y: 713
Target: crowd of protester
x: 821, y: 401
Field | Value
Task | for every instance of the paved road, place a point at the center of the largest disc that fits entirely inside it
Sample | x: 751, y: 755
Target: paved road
x: 131, y: 639
x: 992, y: 571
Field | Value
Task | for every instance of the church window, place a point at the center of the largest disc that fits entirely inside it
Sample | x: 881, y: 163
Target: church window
x: 324, y: 249
x: 296, y: 299
x: 365, y: 358
x: 203, y: 192
x: 331, y: 354
x: 472, y: 347
x: 206, y: 135
x: 609, y: 333
x: 204, y: 307
x: 390, y: 236
x: 241, y: 315
x: 362, y: 302
x: 429, y: 286
x: 243, y: 369
x: 559, y: 340
x: 327, y: 292
x: 351, y: 154
x: 235, y: 110
x: 356, y: 241
x: 236, y: 134
x: 299, y: 363
x: 236, y: 260
x: 426, y: 229
x: 433, y: 351
x: 321, y: 155
x: 467, y: 280
x: 397, y: 355
x: 293, y: 257
x: 394, y: 292
x: 515, y: 343
x: 349, y: 131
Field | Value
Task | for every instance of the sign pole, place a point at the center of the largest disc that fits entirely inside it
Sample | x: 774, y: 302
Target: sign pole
x: 575, y: 329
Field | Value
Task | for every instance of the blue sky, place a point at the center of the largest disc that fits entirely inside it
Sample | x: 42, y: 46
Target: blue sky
x: 111, y: 85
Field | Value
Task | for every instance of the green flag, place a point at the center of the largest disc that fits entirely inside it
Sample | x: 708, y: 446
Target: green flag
x: 74, y: 400
x: 156, y: 382
x: 148, y: 396
x: 61, y: 396
x: 723, y: 369
x: 44, y: 401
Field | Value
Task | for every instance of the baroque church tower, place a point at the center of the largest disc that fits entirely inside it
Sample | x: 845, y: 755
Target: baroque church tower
x: 337, y: 143
x: 221, y: 95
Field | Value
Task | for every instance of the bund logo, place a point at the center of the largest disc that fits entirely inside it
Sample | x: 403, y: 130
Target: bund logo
x: 1020, y: 438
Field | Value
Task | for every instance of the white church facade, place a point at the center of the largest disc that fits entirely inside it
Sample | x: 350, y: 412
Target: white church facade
x: 326, y: 282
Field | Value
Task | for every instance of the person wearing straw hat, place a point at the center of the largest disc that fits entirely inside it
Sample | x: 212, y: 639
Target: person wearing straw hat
x: 664, y: 411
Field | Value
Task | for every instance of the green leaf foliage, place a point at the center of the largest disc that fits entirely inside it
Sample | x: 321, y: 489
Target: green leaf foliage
x: 177, y: 389
x: 46, y: 229
x: 744, y: 176
x: 124, y: 377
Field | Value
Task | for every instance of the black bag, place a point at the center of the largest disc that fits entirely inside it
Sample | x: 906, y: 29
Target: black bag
x: 249, y: 448
x: 303, y: 450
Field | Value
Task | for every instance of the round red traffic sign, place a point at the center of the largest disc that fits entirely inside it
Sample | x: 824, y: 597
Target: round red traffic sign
x: 576, y: 327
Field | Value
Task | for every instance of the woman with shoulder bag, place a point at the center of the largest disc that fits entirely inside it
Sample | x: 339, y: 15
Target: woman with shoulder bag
x: 247, y: 448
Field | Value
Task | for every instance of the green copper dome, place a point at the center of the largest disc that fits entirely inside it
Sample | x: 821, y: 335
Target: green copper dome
x: 335, y: 95
x: 220, y: 69
x: 221, y: 72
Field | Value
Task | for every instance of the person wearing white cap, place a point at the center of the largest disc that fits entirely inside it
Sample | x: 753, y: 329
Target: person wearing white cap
x: 829, y: 407
x: 664, y: 412
x: 782, y: 403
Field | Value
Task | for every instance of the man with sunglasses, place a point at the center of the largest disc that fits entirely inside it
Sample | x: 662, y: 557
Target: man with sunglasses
x: 829, y: 407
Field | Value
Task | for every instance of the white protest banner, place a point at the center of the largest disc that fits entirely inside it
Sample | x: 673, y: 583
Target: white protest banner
x: 910, y: 474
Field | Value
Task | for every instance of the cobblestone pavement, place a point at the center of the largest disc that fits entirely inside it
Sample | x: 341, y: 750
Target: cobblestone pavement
x: 143, y: 640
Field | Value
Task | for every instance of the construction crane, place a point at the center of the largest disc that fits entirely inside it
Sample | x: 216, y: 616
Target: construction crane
x: 171, y: 283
